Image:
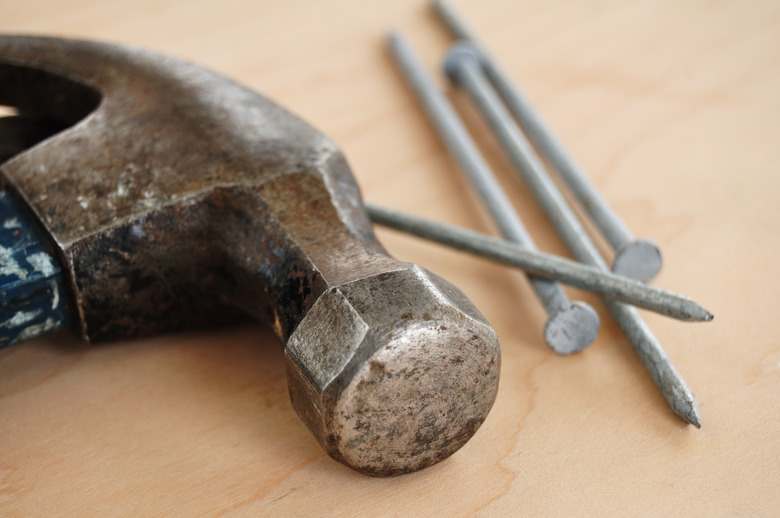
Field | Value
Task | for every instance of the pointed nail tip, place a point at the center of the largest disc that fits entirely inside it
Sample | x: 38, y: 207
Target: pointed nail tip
x: 699, y: 314
x: 692, y: 417
x: 706, y: 316
x: 686, y: 407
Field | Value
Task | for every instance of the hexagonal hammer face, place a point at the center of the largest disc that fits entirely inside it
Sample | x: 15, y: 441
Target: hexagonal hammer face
x: 176, y: 194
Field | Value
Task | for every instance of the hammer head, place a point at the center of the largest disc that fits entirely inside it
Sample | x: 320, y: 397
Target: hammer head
x: 172, y: 195
x: 400, y: 378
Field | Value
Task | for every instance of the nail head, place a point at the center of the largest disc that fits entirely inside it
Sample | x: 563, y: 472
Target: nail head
x: 639, y: 259
x: 571, y: 328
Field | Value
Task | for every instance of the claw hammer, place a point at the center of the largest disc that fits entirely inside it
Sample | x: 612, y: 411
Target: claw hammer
x: 169, y: 195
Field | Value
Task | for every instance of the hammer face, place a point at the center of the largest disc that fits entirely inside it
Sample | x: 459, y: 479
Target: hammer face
x: 402, y: 376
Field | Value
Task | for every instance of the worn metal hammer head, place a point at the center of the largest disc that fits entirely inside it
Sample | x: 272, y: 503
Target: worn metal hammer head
x: 172, y: 195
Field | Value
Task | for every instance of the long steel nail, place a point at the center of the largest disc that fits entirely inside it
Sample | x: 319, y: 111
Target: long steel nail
x: 637, y: 258
x: 544, y: 265
x: 463, y: 66
x: 570, y: 326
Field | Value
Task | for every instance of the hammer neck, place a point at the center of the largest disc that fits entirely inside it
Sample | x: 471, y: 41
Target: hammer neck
x: 284, y: 252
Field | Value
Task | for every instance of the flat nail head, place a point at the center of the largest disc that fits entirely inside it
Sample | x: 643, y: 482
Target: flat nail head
x: 571, y: 328
x: 458, y: 54
x: 640, y: 259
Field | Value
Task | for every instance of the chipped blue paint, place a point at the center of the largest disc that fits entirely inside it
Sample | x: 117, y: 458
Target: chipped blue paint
x: 31, y: 278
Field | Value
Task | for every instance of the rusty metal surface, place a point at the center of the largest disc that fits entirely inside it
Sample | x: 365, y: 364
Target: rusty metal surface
x: 176, y: 195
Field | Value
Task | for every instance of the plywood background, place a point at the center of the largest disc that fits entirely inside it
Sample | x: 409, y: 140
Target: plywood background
x: 673, y: 108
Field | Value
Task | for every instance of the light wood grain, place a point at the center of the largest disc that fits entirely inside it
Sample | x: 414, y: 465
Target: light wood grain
x: 672, y: 107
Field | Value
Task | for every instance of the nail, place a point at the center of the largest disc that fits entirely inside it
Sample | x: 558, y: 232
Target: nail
x: 463, y: 67
x: 636, y: 258
x: 570, y: 326
x: 544, y: 265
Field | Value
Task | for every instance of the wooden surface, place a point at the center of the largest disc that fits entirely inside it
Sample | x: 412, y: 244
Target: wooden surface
x: 672, y: 107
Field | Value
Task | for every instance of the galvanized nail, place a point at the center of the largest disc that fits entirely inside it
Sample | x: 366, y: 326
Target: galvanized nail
x: 463, y: 66
x: 543, y: 265
x: 637, y: 258
x: 570, y: 326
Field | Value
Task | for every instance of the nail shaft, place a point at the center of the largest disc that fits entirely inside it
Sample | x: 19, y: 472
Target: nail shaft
x: 637, y: 258
x: 463, y: 66
x: 570, y: 326
x: 544, y: 265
